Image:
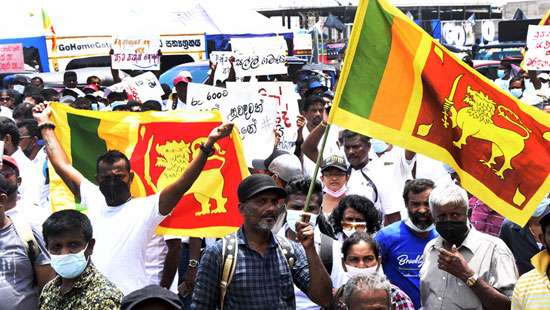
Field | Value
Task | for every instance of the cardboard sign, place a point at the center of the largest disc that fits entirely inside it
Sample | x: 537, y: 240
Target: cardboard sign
x: 143, y: 87
x: 537, y: 56
x: 283, y: 97
x: 11, y: 58
x: 135, y: 53
x: 255, y: 122
x: 202, y: 97
x: 221, y: 60
x: 250, y: 64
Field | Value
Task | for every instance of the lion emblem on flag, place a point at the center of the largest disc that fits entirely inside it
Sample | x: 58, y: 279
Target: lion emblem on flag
x: 476, y: 121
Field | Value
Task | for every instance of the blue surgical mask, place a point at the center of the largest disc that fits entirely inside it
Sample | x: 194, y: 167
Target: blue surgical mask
x: 293, y: 216
x: 516, y: 92
x: 378, y: 146
x: 19, y: 88
x: 501, y: 73
x: 69, y: 266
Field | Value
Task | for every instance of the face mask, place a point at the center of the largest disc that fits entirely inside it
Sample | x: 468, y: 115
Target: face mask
x: 501, y: 73
x: 348, y: 232
x: 378, y: 146
x: 336, y: 194
x: 19, y: 88
x: 516, y: 92
x: 69, y: 266
x: 116, y: 192
x: 453, y: 232
x: 415, y: 228
x: 354, y: 271
x: 293, y: 216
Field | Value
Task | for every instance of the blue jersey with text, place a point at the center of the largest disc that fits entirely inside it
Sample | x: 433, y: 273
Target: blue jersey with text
x: 401, y: 252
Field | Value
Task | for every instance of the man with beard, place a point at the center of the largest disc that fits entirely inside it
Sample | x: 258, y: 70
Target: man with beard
x: 463, y: 268
x: 263, y: 276
x: 402, y: 243
x: 532, y: 290
x: 124, y: 224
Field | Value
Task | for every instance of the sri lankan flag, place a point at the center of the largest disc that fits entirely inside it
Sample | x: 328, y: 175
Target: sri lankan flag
x: 399, y: 85
x: 159, y: 145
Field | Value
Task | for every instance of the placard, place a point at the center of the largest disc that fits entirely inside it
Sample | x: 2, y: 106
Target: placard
x: 11, y: 58
x: 202, y: 97
x: 249, y: 64
x: 135, y: 53
x: 537, y: 56
x: 143, y: 87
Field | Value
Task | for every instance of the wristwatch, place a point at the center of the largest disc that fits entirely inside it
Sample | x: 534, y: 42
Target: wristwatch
x: 193, y: 263
x: 471, y: 281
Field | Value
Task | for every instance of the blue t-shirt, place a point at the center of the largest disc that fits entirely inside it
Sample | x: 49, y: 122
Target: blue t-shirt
x: 401, y: 252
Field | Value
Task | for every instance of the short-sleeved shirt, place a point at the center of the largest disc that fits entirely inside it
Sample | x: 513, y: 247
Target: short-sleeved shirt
x: 488, y: 257
x: 522, y: 244
x: 386, y: 197
x: 259, y: 282
x: 17, y: 288
x: 90, y: 291
x: 532, y: 290
x: 122, y: 234
x: 401, y: 252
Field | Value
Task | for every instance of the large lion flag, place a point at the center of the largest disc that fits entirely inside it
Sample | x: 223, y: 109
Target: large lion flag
x: 399, y: 85
x: 159, y: 145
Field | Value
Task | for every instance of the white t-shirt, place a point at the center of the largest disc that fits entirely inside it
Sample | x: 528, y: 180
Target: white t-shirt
x: 122, y: 234
x: 388, y: 195
x: 32, y: 178
x: 154, y: 260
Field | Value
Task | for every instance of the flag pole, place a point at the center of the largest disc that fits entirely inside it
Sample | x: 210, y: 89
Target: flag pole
x: 315, y: 171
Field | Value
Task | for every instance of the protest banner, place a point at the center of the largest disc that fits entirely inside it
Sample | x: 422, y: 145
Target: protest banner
x: 135, y: 53
x: 143, y: 87
x: 202, y: 97
x: 284, y: 98
x: 265, y: 62
x: 11, y: 58
x: 221, y: 60
x: 537, y: 56
x: 255, y: 121
x: 160, y: 146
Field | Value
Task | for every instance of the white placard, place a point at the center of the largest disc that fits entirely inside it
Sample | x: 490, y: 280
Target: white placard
x: 202, y: 97
x: 221, y: 60
x: 143, y: 87
x: 255, y: 121
x: 266, y: 62
x: 135, y: 53
x: 537, y: 56
x: 283, y: 96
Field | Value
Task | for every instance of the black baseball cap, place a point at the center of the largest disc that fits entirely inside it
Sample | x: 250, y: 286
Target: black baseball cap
x: 150, y: 292
x: 257, y: 183
x: 334, y: 161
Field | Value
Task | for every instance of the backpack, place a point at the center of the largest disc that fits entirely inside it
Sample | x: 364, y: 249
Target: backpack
x: 230, y: 248
x: 24, y: 231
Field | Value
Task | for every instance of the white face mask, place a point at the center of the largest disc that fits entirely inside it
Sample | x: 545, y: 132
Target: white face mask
x: 411, y: 225
x: 293, y: 216
x: 336, y: 194
x: 354, y: 271
x: 19, y: 88
x: 69, y: 266
x: 348, y: 232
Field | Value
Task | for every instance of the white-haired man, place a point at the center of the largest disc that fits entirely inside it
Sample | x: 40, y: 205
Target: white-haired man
x: 463, y: 268
x: 370, y: 291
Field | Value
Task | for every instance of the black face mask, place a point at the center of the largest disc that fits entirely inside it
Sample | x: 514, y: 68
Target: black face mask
x: 114, y: 189
x: 453, y: 232
x: 421, y: 220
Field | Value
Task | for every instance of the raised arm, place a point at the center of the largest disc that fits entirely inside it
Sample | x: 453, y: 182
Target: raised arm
x: 170, y: 196
x: 56, y: 155
x: 309, y: 147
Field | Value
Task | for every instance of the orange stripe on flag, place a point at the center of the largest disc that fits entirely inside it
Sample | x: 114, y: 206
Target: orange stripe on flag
x: 397, y: 84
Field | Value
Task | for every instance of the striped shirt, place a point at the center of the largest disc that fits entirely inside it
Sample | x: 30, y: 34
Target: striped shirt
x: 532, y: 290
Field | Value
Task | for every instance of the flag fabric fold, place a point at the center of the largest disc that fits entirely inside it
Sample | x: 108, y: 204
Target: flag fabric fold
x: 159, y: 145
x: 400, y: 85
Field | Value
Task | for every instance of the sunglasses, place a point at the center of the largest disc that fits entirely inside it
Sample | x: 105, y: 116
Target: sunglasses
x: 5, y: 99
x: 354, y: 225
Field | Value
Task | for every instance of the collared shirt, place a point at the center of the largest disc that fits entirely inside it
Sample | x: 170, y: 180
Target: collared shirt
x: 91, y: 291
x: 522, y: 244
x: 532, y: 290
x: 488, y: 257
x: 259, y: 282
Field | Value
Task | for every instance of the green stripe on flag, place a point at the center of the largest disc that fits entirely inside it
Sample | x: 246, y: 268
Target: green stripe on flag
x: 369, y: 62
x: 86, y: 145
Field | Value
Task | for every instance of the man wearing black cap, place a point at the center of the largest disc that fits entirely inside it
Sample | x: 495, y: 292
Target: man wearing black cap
x: 151, y: 297
x: 263, y: 276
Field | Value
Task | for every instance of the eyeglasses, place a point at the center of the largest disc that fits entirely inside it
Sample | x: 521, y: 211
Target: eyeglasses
x: 5, y: 99
x: 357, y: 225
x: 24, y: 137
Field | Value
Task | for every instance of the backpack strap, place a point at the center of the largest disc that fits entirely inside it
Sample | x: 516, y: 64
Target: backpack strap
x: 24, y: 231
x: 288, y: 251
x: 230, y: 247
x: 371, y: 183
x: 326, y: 252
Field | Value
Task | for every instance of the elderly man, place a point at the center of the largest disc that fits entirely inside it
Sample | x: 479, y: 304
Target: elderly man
x: 371, y: 291
x: 264, y: 272
x: 463, y: 268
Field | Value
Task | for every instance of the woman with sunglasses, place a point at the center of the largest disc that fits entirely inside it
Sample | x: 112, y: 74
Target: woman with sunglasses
x: 361, y: 256
x: 355, y: 213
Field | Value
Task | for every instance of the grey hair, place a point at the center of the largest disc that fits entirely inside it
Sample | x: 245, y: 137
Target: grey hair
x: 448, y: 193
x: 369, y: 282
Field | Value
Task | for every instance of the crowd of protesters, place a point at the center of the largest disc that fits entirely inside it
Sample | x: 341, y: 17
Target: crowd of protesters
x: 385, y: 228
